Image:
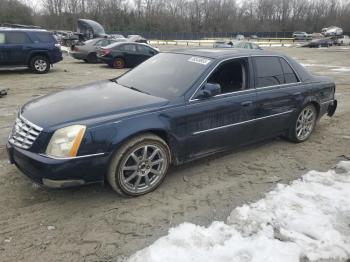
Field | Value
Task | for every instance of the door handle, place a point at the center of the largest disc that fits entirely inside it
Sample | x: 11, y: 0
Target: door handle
x: 247, y: 103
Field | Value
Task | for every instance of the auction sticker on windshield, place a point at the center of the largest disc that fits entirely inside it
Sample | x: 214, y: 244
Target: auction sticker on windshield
x: 199, y: 60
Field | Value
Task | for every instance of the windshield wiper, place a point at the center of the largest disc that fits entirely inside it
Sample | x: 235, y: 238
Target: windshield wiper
x: 131, y: 87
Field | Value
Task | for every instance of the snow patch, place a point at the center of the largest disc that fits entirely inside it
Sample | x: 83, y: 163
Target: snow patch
x: 308, y: 219
x: 341, y: 69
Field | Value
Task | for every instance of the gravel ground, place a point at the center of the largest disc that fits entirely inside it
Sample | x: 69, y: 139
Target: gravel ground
x: 92, y: 223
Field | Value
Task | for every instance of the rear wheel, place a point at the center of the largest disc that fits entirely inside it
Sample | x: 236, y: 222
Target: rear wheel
x: 119, y: 63
x: 139, y: 166
x: 39, y: 64
x: 304, y: 124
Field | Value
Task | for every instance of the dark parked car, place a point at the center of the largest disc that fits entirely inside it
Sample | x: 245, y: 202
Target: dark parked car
x: 121, y: 55
x: 173, y: 108
x: 37, y: 49
x: 87, y: 50
x: 323, y: 42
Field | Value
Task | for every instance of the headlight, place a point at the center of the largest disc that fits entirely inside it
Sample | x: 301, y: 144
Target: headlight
x: 65, y: 142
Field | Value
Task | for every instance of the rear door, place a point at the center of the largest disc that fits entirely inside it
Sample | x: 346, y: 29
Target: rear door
x: 278, y: 93
x: 19, y: 46
x: 132, y: 57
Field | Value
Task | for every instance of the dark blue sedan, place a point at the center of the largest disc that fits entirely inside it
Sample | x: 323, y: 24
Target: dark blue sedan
x: 173, y: 108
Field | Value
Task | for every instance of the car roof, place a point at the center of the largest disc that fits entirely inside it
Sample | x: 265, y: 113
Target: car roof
x: 22, y: 29
x: 223, y: 53
x: 126, y: 42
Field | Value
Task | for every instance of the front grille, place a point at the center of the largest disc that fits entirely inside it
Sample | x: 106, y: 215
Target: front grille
x: 24, y: 133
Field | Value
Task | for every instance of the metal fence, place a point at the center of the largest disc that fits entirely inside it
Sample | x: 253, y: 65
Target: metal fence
x: 203, y: 35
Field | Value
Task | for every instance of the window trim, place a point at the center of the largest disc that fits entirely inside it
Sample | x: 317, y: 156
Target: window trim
x: 250, y: 89
x: 281, y: 57
x: 209, y: 74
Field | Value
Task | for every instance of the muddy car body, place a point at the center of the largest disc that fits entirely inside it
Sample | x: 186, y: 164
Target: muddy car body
x: 173, y: 108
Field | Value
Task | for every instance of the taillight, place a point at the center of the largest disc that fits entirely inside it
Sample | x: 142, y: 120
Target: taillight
x: 76, y: 48
x: 105, y: 51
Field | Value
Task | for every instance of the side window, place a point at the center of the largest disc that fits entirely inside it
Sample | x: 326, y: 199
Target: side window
x: 2, y: 38
x: 268, y: 71
x: 289, y: 74
x: 231, y: 76
x: 128, y: 48
x: 17, y: 38
x: 145, y: 50
x: 254, y: 46
x: 45, y: 37
x: 99, y: 43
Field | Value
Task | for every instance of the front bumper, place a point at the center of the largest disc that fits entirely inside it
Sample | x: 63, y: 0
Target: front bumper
x: 332, y: 108
x: 59, y: 173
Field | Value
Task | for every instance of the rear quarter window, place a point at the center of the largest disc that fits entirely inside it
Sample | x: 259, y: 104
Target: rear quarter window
x: 289, y: 74
x: 45, y: 37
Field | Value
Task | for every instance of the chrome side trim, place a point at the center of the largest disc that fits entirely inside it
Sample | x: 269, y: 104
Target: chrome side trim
x: 241, y: 123
x: 327, y: 102
x: 276, y: 86
x: 70, y: 158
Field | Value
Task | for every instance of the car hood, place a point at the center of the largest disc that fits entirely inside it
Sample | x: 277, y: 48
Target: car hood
x: 87, y: 102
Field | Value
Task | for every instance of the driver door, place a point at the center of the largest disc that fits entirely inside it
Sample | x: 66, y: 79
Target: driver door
x: 225, y: 120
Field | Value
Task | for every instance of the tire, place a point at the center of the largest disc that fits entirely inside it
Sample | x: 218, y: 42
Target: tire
x: 92, y: 58
x: 86, y: 61
x: 118, y: 63
x: 303, y: 124
x: 39, y: 64
x: 132, y: 172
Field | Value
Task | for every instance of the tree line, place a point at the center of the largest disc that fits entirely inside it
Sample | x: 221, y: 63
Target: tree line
x: 182, y: 15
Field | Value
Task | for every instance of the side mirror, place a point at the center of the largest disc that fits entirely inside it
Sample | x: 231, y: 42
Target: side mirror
x: 209, y: 90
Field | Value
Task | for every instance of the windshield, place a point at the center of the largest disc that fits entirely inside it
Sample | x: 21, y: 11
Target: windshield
x: 165, y: 75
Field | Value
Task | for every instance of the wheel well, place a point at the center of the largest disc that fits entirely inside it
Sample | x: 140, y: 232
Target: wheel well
x: 38, y: 54
x: 317, y: 106
x: 162, y: 134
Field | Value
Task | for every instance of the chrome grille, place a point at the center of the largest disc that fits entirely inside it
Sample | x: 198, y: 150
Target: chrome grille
x: 24, y: 133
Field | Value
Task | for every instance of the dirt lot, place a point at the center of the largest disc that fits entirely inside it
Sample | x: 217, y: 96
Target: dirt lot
x: 92, y: 223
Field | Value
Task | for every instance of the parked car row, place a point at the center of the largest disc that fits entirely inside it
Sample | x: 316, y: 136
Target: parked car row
x: 237, y: 44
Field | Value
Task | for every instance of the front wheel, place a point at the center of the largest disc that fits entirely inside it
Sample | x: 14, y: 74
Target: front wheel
x: 304, y: 124
x: 139, y: 166
x: 39, y: 64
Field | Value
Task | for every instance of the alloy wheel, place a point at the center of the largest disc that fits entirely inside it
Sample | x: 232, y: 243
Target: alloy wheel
x: 40, y: 65
x: 305, y: 123
x: 143, y: 168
